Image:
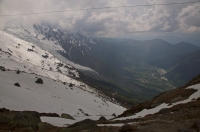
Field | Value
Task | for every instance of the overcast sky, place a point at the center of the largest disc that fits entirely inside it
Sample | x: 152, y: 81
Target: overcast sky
x: 173, y: 23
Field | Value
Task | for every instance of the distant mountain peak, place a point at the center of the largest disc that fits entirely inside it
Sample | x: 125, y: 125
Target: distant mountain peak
x: 184, y: 48
x: 186, y: 44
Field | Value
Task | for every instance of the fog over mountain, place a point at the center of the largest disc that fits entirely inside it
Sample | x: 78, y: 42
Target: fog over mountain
x: 173, y: 23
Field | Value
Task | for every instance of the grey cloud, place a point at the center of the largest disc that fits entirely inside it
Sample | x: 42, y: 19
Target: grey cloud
x: 165, y: 18
x: 189, y: 18
x: 109, y: 22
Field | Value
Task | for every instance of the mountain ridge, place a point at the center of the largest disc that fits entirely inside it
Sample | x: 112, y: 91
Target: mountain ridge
x: 59, y: 89
x: 127, y: 65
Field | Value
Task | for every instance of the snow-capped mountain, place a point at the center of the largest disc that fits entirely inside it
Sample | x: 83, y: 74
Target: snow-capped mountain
x: 35, y: 36
x: 67, y: 41
x: 75, y: 47
x: 23, y: 60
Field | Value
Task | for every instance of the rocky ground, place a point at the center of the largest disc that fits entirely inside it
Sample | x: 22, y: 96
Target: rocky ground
x: 180, y: 118
x: 183, y: 117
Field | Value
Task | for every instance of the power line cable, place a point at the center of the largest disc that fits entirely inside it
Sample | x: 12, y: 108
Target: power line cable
x: 97, y: 8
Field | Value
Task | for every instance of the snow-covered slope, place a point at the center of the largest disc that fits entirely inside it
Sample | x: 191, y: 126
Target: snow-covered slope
x: 80, y: 100
x: 52, y: 96
x: 31, y: 35
x: 33, y: 59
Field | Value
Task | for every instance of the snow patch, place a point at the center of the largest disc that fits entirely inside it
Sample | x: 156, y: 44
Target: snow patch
x: 57, y: 121
x: 145, y: 112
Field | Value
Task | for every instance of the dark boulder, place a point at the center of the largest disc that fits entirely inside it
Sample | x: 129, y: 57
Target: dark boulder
x: 4, y: 110
x: 49, y: 114
x: 102, y: 119
x: 45, y: 56
x: 114, y: 115
x: 67, y: 116
x: 39, y: 81
x: 18, y: 71
x: 2, y: 68
x: 30, y: 50
x: 17, y: 84
x: 87, y: 124
x: 71, y: 85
